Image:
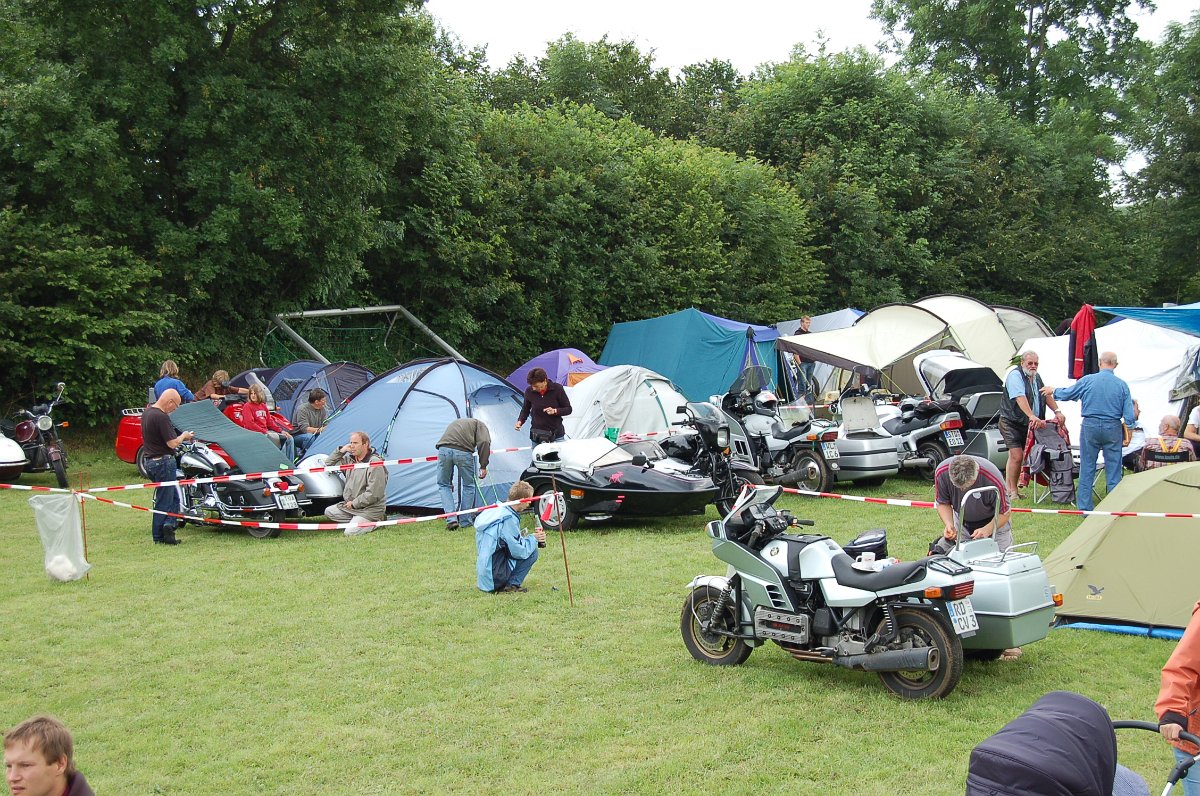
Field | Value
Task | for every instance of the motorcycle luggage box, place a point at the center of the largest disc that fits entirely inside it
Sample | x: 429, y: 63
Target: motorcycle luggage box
x: 872, y: 541
x: 1012, y: 599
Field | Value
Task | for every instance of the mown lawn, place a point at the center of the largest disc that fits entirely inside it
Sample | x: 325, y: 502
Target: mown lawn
x: 316, y: 663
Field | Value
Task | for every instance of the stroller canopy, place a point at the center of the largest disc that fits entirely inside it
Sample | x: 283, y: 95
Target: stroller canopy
x: 1063, y: 745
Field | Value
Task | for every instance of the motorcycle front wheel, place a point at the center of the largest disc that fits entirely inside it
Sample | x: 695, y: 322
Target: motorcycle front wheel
x: 554, y: 509
x: 59, y: 466
x: 704, y: 645
x: 918, y: 629
x: 737, y: 479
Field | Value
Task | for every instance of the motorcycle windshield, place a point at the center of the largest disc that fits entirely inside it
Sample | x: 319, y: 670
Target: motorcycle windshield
x: 752, y: 380
x: 703, y: 410
x: 764, y: 496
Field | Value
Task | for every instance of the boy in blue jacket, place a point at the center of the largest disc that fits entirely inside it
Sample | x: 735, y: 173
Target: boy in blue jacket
x: 503, y: 556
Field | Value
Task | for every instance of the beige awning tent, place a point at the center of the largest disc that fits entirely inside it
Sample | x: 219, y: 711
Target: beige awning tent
x: 889, y: 337
x: 1134, y: 570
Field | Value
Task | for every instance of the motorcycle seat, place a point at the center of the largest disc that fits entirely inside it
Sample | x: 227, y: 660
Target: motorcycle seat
x: 889, y: 578
x: 793, y: 432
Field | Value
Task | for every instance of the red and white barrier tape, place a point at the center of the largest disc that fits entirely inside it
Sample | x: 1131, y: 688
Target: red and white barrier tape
x: 925, y: 504
x: 302, y: 526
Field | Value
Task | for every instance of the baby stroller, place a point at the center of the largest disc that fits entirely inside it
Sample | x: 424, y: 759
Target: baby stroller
x: 1048, y: 463
x: 1063, y: 744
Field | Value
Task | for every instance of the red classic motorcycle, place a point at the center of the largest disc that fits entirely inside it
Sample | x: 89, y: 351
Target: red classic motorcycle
x: 37, y: 434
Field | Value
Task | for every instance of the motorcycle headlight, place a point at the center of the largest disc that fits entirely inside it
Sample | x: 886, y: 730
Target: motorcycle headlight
x: 723, y: 438
x: 45, y: 423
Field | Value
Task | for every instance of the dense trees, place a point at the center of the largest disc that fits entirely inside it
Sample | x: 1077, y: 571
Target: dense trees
x: 169, y: 175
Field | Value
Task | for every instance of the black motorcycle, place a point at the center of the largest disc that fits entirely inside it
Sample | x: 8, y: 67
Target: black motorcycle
x: 279, y: 499
x: 706, y: 446
x: 37, y: 434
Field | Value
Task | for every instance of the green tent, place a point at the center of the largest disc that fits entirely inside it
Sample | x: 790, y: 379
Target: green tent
x: 1135, y: 570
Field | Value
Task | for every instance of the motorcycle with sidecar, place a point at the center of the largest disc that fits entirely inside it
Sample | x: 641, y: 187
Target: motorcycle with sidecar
x: 36, y: 432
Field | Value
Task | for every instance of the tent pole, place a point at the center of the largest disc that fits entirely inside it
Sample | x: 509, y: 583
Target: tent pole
x: 298, y: 340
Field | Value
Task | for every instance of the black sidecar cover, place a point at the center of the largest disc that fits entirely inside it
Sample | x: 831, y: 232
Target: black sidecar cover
x: 1063, y: 744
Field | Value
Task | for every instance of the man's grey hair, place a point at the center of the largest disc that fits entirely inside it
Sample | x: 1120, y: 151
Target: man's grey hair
x: 1108, y: 358
x: 963, y: 471
x: 1027, y: 353
x: 1172, y: 422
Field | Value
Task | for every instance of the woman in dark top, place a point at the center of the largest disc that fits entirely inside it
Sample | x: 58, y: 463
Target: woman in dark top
x: 545, y: 405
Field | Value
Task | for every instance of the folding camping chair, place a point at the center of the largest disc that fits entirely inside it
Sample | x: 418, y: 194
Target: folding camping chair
x: 1048, y: 466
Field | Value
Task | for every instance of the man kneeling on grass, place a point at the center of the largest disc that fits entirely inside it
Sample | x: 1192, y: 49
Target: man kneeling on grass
x: 504, y: 555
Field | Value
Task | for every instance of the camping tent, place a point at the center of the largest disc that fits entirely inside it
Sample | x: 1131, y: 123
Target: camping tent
x: 339, y: 380
x: 567, y: 366
x: 839, y: 319
x: 701, y: 353
x: 625, y: 397
x: 1152, y: 359
x: 1021, y: 325
x: 886, y: 339
x: 1138, y: 570
x: 405, y: 411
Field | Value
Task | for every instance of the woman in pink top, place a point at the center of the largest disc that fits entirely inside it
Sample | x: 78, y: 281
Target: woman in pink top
x: 257, y: 417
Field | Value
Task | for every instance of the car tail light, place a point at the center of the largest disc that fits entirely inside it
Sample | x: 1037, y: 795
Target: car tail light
x: 829, y: 436
x: 949, y: 424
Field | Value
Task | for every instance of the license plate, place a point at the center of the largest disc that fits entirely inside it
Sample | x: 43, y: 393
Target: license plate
x: 286, y: 502
x: 954, y: 438
x: 830, y: 450
x: 962, y: 616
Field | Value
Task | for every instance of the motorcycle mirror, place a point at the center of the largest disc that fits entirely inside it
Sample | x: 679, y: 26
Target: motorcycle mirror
x: 640, y: 461
x: 62, y: 385
x: 681, y: 410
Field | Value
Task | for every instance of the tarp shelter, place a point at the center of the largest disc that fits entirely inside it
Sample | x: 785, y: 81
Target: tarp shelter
x: 339, y: 380
x: 405, y: 411
x: 1151, y: 361
x: 1134, y: 570
x: 701, y: 353
x: 625, y: 397
x: 885, y: 341
x: 1184, y: 318
x: 823, y: 374
x: 567, y: 366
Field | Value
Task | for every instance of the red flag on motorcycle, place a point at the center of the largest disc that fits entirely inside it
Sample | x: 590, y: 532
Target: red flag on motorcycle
x: 1082, y: 356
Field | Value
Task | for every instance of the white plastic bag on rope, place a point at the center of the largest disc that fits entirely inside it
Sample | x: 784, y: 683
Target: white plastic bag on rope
x: 59, y: 526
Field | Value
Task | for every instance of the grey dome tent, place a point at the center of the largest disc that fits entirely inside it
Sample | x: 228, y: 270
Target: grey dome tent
x: 339, y: 380
x: 405, y: 411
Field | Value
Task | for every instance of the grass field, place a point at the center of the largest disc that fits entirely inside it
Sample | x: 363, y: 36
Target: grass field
x: 316, y: 663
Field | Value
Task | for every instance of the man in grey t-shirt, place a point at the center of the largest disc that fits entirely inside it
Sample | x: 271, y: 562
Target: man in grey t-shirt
x: 310, y: 419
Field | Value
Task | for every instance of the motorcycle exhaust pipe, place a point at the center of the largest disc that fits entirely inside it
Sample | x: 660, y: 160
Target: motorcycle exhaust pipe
x: 924, y: 658
x: 796, y: 476
x: 913, y: 464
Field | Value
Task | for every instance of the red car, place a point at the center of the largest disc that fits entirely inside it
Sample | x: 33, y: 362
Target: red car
x: 129, y: 435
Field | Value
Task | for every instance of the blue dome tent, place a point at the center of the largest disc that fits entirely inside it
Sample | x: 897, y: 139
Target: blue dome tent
x: 405, y: 411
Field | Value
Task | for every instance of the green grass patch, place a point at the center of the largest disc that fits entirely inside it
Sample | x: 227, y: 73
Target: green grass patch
x: 316, y: 663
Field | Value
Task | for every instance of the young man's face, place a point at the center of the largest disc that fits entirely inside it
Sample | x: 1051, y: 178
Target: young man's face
x: 30, y: 774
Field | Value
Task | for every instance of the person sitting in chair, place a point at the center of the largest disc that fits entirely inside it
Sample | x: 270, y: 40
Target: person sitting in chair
x: 1167, y: 448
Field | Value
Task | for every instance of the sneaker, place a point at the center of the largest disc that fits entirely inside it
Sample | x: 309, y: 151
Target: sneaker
x: 514, y: 588
x: 452, y: 526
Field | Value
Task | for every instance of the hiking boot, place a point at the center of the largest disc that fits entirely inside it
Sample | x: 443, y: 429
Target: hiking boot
x: 514, y: 588
x: 452, y: 526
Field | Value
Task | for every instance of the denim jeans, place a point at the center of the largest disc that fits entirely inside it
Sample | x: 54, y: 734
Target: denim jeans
x: 286, y: 445
x: 520, y: 568
x: 302, y: 442
x: 1096, y: 436
x: 166, y: 498
x: 450, y: 459
x: 1191, y: 782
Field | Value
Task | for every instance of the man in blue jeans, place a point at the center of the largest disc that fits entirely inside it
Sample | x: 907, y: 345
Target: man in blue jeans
x: 1105, y: 401
x: 460, y: 442
x: 159, y: 440
x: 503, y: 554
